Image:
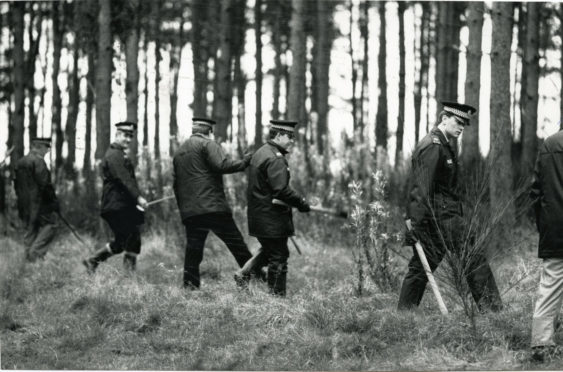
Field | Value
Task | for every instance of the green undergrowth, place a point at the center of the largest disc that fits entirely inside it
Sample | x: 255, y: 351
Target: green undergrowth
x: 54, y: 316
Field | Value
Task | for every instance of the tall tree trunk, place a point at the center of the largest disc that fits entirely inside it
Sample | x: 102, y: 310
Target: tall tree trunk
x: 175, y: 60
x: 432, y: 48
x: 73, y: 103
x: 364, y: 34
x: 56, y: 122
x: 522, y: 28
x: 448, y: 46
x: 258, y: 133
x: 103, y: 79
x: 381, y: 118
x: 470, y: 142
x: 17, y: 122
x: 90, y: 98
x: 530, y: 104
x: 424, y: 65
x: 155, y: 31
x: 146, y: 151
x: 401, y: 119
x: 200, y: 57
x: 239, y: 79
x: 278, y: 69
x: 354, y: 65
x: 322, y: 65
x: 501, y: 139
x: 296, y: 94
x: 34, y: 28
x: 222, y: 104
x: 132, y: 80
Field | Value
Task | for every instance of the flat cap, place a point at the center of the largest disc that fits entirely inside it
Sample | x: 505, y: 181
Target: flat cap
x: 285, y: 125
x: 204, y: 121
x: 126, y: 126
x: 460, y: 110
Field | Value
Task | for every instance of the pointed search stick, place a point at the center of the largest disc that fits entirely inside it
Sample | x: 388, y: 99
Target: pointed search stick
x: 428, y: 272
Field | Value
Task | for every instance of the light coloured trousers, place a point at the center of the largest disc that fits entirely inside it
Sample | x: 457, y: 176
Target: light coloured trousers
x: 550, y: 294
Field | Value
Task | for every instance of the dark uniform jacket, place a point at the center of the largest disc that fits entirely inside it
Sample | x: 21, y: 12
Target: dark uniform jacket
x: 199, y: 165
x: 547, y: 194
x: 120, y: 190
x: 35, y: 192
x: 268, y: 179
x: 433, y: 184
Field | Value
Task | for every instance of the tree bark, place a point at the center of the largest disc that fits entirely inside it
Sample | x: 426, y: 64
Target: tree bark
x: 501, y: 138
x: 422, y: 82
x: 402, y: 88
x: 530, y: 104
x: 175, y: 60
x: 296, y: 94
x: 222, y: 104
x: 103, y: 79
x: 74, y: 101
x: 34, y: 27
x: 17, y: 122
x: 470, y: 141
x: 354, y: 65
x: 146, y: 151
x: 381, y: 117
x: 56, y: 122
x: 278, y: 69
x: 322, y: 66
x: 258, y: 132
x: 132, y: 80
x: 155, y: 31
x: 90, y: 98
x: 364, y: 33
x: 200, y: 57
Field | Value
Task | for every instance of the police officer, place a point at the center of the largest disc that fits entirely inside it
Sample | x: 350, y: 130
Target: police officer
x: 199, y: 165
x: 547, y: 196
x: 272, y: 223
x: 120, y: 197
x: 435, y: 211
x: 37, y: 201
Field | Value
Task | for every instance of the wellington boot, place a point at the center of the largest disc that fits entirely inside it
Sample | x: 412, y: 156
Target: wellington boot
x: 100, y: 255
x: 129, y: 262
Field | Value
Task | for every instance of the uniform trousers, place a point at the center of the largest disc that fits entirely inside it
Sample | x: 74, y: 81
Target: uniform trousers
x: 436, y: 239
x: 550, y: 294
x: 276, y: 253
x: 197, y: 229
x: 125, y: 227
x: 39, y: 234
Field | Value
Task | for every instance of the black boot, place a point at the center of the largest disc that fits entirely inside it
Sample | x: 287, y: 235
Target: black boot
x: 276, y: 282
x: 129, y: 262
x: 100, y: 256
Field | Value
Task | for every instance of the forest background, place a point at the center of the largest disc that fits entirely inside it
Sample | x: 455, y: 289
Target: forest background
x: 364, y: 79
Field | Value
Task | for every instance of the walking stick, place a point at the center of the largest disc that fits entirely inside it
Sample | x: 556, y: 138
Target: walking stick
x: 329, y: 211
x: 156, y: 201
x: 428, y: 272
x: 295, y: 245
x: 72, y: 230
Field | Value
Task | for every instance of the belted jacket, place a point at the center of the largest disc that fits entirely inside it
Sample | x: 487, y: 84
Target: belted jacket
x: 34, y: 190
x: 268, y: 179
x: 433, y: 183
x: 199, y: 165
x: 120, y: 190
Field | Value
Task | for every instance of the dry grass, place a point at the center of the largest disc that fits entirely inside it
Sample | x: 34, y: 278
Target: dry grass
x: 54, y: 316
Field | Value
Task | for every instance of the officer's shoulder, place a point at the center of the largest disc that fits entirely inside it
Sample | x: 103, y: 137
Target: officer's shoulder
x: 429, y: 140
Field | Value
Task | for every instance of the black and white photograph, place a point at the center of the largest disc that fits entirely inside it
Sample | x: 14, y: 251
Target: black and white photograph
x: 281, y: 185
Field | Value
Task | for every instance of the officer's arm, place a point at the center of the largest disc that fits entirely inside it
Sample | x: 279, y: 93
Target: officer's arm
x: 424, y: 171
x: 219, y: 162
x: 536, y: 193
x: 118, y: 171
x: 278, y: 178
x: 42, y: 177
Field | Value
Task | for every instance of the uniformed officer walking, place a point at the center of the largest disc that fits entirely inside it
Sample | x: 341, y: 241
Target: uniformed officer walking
x: 547, y: 195
x: 271, y: 223
x: 199, y: 165
x: 37, y: 201
x: 120, y: 198
x: 435, y: 212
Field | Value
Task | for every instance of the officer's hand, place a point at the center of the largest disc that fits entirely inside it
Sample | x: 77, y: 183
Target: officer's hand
x: 305, y: 207
x: 410, y: 238
x: 142, y: 202
x: 247, y: 157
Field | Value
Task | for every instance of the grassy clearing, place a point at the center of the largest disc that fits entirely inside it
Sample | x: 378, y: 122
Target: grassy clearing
x: 54, y: 316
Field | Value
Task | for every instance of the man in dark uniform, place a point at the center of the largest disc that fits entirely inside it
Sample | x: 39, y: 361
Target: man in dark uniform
x: 120, y: 197
x: 272, y: 223
x: 37, y: 202
x: 199, y: 165
x: 435, y: 212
